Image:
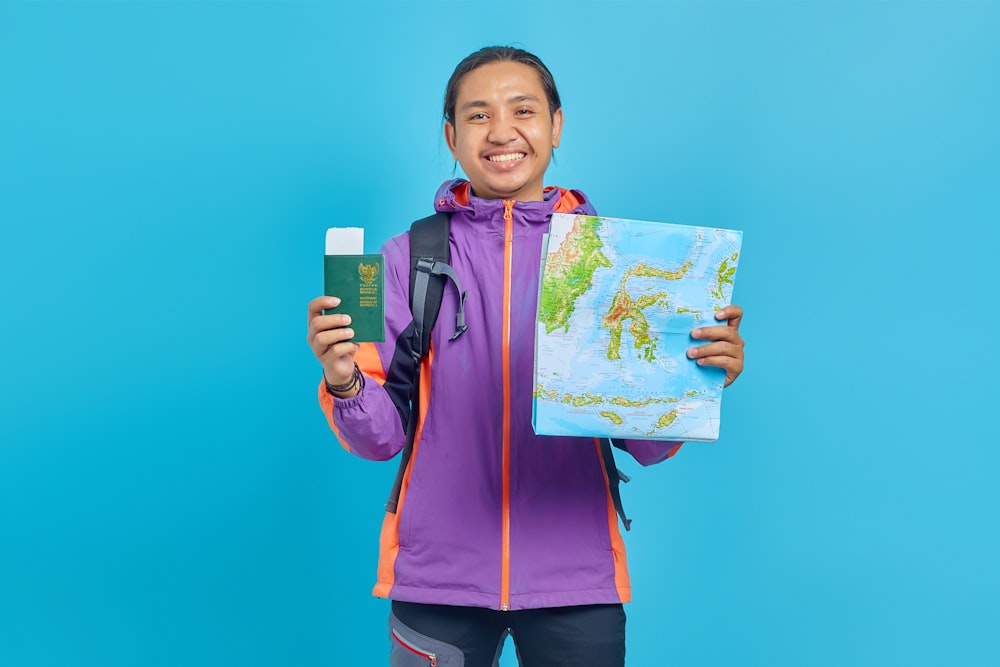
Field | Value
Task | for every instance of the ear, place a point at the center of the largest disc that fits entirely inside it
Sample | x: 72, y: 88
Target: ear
x: 449, y: 136
x: 557, y: 121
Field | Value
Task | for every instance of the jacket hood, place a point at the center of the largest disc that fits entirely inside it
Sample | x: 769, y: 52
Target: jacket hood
x: 456, y: 195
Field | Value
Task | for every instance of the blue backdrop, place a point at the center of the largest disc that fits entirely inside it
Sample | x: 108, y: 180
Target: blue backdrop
x: 169, y: 491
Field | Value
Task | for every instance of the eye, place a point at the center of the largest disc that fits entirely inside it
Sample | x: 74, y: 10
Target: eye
x: 477, y: 117
x: 525, y: 112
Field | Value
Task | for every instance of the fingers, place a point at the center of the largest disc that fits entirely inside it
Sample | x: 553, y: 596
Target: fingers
x: 335, y: 352
x: 733, y: 365
x: 323, y: 340
x: 732, y: 313
x: 713, y: 350
x: 318, y: 322
x: 319, y: 304
x: 329, y: 338
x: 720, y: 332
x: 728, y: 331
x: 321, y: 323
x: 329, y: 335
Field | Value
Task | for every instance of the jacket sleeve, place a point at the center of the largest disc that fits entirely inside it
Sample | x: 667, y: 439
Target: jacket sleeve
x: 370, y: 424
x: 649, y: 452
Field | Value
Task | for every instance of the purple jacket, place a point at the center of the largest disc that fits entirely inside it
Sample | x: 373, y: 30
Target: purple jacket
x: 490, y: 514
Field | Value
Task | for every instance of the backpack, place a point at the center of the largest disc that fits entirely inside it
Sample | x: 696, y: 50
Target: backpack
x: 429, y: 271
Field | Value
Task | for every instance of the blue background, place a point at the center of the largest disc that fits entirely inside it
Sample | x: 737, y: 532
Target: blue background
x: 169, y: 491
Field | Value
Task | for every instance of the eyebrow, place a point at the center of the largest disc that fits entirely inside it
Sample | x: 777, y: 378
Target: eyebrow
x: 482, y: 104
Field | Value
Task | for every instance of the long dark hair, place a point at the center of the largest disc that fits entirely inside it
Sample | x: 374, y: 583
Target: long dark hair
x: 498, y: 54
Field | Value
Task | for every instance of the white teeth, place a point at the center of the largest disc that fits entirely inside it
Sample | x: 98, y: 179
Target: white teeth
x: 506, y: 158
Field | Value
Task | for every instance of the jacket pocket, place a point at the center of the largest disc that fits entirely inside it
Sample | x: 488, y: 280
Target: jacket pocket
x: 413, y: 649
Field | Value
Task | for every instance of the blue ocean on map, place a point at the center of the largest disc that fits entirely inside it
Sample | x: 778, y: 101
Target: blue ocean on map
x: 653, y: 283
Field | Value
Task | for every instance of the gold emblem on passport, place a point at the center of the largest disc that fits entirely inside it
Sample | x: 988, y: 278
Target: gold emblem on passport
x: 368, y: 272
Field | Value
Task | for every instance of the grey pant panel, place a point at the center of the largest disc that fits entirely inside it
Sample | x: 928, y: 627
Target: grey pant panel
x: 413, y: 649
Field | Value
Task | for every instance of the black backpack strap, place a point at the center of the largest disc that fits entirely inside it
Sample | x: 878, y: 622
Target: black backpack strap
x: 428, y: 290
x: 615, y: 476
x: 429, y: 271
x: 404, y: 458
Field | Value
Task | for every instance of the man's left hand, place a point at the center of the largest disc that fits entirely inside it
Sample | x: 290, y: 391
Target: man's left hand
x: 727, y: 349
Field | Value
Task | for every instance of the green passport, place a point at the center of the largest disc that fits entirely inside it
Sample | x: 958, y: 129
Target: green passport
x: 359, y: 282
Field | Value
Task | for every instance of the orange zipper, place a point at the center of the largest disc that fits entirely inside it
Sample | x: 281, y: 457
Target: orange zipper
x: 508, y: 254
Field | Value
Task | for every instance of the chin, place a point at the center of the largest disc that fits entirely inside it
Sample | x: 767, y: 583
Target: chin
x: 506, y: 190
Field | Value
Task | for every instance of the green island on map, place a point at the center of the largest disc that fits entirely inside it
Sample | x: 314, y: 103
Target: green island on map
x: 568, y: 273
x: 625, y: 307
x: 725, y: 275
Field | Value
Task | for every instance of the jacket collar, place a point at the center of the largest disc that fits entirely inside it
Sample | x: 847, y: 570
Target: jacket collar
x: 456, y: 195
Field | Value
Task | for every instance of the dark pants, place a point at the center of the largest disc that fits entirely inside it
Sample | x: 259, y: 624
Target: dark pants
x: 583, y: 636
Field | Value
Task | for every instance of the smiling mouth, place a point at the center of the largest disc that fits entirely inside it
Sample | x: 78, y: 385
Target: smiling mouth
x: 506, y: 157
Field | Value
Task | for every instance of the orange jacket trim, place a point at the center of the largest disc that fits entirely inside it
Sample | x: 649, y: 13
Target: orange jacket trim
x: 622, y: 583
x: 388, y: 542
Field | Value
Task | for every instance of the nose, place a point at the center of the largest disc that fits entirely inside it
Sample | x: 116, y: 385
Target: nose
x: 502, y: 130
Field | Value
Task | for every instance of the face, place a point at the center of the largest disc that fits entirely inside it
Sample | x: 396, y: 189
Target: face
x: 503, y: 134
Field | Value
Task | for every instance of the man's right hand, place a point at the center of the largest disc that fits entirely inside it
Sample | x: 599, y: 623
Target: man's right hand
x: 329, y: 337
